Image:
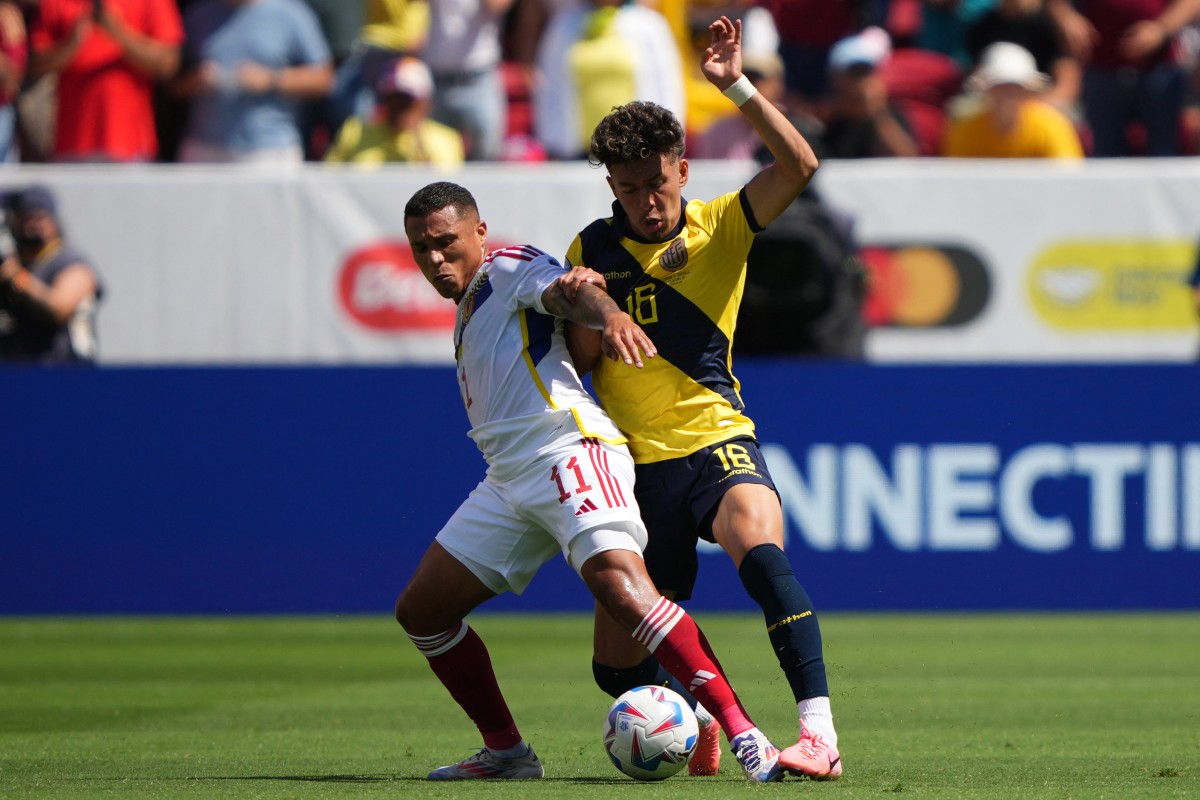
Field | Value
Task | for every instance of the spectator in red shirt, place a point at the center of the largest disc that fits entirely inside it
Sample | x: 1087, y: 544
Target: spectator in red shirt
x: 108, y: 55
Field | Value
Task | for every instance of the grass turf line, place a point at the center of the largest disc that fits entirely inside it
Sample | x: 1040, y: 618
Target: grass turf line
x: 928, y: 706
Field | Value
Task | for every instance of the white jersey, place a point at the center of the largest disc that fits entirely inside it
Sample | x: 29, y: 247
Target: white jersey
x: 514, y: 372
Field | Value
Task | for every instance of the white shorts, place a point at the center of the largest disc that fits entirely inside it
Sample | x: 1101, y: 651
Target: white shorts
x: 576, y: 498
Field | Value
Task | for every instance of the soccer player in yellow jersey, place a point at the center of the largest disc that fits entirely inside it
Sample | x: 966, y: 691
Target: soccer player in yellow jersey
x: 678, y: 268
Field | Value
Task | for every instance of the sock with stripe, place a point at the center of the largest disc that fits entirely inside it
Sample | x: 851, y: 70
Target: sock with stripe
x: 461, y: 662
x: 673, y: 637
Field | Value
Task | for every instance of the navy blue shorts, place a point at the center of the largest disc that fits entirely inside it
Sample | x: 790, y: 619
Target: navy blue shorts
x: 679, y: 499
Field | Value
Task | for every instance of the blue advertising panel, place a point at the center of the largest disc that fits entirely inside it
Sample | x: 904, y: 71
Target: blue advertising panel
x: 261, y: 490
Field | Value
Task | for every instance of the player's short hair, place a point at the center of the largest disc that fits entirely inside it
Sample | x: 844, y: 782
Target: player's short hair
x: 634, y: 132
x: 439, y: 195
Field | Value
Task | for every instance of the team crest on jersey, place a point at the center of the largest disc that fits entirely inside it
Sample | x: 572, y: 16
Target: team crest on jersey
x: 675, y: 257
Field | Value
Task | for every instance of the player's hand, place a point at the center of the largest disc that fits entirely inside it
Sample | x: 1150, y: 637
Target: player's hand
x: 577, y: 277
x: 722, y: 61
x: 623, y: 340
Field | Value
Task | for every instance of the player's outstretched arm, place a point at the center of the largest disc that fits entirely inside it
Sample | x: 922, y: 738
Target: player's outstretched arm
x: 774, y: 188
x: 621, y: 337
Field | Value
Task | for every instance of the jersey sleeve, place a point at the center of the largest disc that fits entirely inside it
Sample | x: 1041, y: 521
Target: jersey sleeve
x: 540, y: 273
x: 522, y: 274
x: 725, y: 219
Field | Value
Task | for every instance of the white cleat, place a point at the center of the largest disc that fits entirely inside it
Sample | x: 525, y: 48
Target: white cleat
x: 486, y: 765
x: 758, y: 757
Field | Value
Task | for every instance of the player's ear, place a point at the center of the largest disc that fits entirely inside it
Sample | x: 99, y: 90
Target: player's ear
x: 481, y: 231
x: 683, y: 172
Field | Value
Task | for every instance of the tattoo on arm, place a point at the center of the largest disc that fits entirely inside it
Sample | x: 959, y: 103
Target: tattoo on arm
x: 590, y: 308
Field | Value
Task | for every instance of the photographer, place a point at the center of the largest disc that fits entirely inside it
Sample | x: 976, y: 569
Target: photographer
x: 48, y: 291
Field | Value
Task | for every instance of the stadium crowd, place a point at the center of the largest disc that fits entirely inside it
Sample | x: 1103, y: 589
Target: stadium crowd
x: 443, y: 81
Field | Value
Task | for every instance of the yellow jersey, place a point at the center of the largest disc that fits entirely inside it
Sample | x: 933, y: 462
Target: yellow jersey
x: 685, y: 294
x: 1042, y: 131
x: 379, y: 143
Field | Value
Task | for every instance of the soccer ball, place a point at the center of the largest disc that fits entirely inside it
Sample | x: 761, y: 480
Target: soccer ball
x: 650, y: 733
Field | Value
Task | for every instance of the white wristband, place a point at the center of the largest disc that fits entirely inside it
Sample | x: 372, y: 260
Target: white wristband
x: 741, y: 91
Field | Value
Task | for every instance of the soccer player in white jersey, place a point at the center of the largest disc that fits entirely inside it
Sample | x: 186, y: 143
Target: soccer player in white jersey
x: 559, y: 478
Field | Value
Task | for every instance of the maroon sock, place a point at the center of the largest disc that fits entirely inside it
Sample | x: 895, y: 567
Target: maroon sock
x: 460, y: 660
x: 673, y: 637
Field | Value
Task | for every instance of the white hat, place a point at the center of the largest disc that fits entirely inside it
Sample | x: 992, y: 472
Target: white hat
x: 406, y: 75
x: 870, y: 46
x: 1005, y: 62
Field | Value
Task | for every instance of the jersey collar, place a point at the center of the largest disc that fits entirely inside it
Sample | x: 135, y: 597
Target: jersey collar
x: 625, y: 231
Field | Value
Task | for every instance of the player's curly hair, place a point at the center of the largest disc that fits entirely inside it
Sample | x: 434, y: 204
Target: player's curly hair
x: 439, y: 195
x: 634, y: 132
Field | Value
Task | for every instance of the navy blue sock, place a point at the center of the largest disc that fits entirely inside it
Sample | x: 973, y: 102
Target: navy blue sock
x: 791, y: 621
x: 617, y: 680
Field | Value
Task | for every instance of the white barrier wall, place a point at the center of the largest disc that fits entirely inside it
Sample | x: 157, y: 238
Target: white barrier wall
x: 973, y: 261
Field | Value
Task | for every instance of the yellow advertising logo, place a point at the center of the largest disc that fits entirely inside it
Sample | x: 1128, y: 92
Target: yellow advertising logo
x: 1114, y: 284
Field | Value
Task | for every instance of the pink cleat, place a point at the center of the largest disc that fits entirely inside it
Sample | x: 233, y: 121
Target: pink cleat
x: 706, y: 758
x: 812, y: 757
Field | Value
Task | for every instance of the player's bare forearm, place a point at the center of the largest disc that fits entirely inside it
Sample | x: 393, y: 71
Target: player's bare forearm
x: 777, y: 185
x: 621, y: 338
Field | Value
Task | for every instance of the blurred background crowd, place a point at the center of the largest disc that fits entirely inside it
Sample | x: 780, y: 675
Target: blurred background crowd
x: 443, y: 81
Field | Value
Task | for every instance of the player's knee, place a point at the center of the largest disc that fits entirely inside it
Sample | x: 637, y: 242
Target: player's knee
x: 405, y: 613
x: 401, y: 610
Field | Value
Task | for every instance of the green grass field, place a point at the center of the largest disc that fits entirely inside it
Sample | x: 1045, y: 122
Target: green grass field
x: 928, y: 706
